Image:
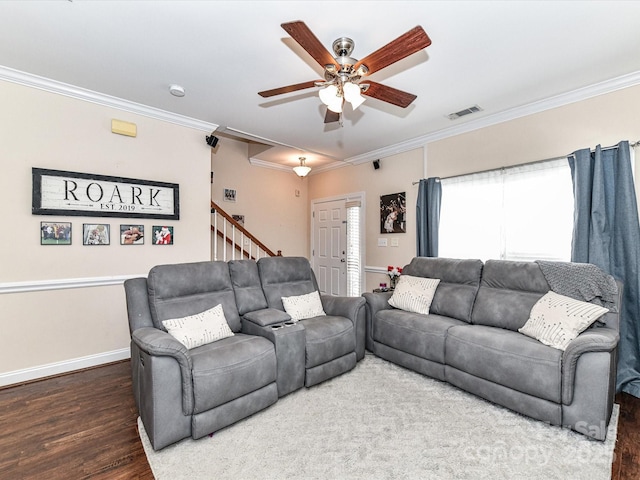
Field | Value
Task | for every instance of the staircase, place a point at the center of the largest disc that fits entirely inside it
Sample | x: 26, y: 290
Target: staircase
x: 231, y: 241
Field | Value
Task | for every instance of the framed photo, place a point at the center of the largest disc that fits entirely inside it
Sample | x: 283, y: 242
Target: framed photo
x: 131, y: 234
x: 229, y: 195
x: 393, y: 213
x: 162, y: 235
x: 239, y: 219
x: 55, y: 233
x: 95, y: 234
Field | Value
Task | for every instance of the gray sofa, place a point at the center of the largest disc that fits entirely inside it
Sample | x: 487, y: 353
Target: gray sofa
x: 470, y: 339
x: 184, y: 392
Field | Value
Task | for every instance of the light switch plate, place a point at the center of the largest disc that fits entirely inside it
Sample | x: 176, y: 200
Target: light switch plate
x: 382, y: 242
x: 394, y: 242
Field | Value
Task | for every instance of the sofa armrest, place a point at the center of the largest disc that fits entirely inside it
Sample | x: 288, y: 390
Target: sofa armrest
x: 158, y: 343
x: 352, y: 308
x: 266, y: 317
x: 342, y: 306
x: 375, y: 303
x: 601, y: 339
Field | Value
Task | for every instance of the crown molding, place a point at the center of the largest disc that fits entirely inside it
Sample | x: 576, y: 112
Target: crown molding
x: 608, y: 86
x: 60, y: 88
x: 273, y: 166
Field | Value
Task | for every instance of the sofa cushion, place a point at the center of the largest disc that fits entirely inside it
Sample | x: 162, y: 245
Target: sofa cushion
x: 508, y: 291
x: 506, y: 358
x: 246, y: 286
x: 459, y: 281
x: 184, y: 289
x: 419, y: 335
x: 199, y: 329
x: 327, y: 338
x: 285, y: 277
x: 555, y: 319
x: 414, y: 294
x: 301, y: 307
x: 230, y: 368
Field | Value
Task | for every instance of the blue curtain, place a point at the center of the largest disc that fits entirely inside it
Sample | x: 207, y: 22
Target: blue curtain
x: 428, y: 216
x: 607, y: 234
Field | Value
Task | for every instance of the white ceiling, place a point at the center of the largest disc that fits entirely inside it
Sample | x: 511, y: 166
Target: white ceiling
x: 499, y: 55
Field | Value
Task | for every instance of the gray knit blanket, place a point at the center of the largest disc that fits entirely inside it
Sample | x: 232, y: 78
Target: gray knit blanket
x: 582, y: 281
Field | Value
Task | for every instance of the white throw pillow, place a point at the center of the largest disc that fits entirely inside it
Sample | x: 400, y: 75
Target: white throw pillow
x: 199, y: 329
x: 301, y: 307
x: 555, y: 319
x: 414, y: 294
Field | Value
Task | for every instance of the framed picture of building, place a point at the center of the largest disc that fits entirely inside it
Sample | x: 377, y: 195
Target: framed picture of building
x: 229, y: 195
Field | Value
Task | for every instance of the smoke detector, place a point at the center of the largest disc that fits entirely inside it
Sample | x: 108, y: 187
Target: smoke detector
x: 176, y: 90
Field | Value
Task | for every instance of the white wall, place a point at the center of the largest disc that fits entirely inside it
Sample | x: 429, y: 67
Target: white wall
x: 605, y: 119
x: 267, y: 198
x: 42, y: 331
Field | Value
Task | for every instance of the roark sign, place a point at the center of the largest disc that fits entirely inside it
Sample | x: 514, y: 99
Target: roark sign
x: 70, y: 193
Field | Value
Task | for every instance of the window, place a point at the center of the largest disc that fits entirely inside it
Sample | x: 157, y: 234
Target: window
x: 516, y: 213
x: 353, y: 249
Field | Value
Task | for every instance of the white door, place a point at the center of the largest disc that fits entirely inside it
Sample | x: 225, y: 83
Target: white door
x: 330, y: 247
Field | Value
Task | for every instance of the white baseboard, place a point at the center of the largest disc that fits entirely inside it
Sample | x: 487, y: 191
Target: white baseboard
x: 42, y: 371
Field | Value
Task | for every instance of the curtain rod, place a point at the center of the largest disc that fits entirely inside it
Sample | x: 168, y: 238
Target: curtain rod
x: 632, y: 145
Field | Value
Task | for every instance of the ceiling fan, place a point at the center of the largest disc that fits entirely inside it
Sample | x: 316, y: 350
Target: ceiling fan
x: 343, y: 74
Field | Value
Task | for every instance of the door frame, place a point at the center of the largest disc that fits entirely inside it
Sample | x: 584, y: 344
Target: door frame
x: 360, y: 196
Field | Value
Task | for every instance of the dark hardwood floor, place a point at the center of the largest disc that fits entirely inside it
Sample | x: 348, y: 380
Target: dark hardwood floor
x: 75, y: 426
x: 83, y: 425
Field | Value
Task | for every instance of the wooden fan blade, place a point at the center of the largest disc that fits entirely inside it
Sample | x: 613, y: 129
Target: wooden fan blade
x: 331, y: 117
x: 389, y: 94
x: 288, y: 89
x: 411, y: 42
x: 307, y: 40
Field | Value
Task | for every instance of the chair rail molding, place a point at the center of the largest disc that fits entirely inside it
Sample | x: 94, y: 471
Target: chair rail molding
x: 64, y: 283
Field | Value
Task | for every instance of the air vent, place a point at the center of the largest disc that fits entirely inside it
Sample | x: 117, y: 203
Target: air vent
x: 466, y: 111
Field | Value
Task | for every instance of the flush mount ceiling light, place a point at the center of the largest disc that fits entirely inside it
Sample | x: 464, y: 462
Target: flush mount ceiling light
x: 302, y: 170
x: 176, y: 90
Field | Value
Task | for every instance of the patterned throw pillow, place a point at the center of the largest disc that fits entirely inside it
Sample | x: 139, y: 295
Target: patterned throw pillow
x: 301, y: 307
x: 555, y: 319
x: 199, y: 329
x: 414, y: 294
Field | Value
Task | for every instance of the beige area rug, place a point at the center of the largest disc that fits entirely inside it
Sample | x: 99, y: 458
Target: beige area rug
x: 381, y: 421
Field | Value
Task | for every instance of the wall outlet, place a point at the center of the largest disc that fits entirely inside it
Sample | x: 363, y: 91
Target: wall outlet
x: 382, y: 242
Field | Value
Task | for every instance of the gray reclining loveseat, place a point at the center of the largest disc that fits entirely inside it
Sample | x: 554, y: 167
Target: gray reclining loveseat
x: 470, y: 339
x: 182, y: 392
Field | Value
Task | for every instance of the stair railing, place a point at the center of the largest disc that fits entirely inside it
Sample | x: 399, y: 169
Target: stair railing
x: 236, y: 241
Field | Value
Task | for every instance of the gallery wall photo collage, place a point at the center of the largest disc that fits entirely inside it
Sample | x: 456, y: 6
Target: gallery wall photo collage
x: 63, y: 193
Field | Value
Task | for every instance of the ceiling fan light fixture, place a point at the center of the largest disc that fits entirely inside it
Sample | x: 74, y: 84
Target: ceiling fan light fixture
x: 336, y: 105
x: 302, y: 170
x: 328, y: 94
x: 352, y: 94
